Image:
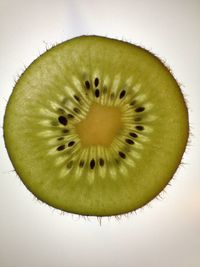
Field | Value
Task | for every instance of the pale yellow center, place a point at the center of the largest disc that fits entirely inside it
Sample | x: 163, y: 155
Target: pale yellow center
x: 100, y: 126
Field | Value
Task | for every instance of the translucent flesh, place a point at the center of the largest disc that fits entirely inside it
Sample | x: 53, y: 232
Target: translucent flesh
x: 60, y: 72
x: 100, y: 126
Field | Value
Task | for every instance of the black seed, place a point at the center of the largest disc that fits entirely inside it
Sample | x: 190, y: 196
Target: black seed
x: 77, y: 110
x: 133, y: 135
x: 65, y: 131
x: 87, y: 84
x: 132, y: 103
x: 60, y: 138
x: 140, y: 109
x: 139, y: 127
x: 77, y: 98
x: 70, y: 116
x: 62, y: 147
x: 129, y: 141
x: 101, y: 162
x: 81, y: 163
x: 122, y: 94
x: 96, y: 82
x: 70, y: 164
x: 92, y: 164
x: 62, y: 120
x: 122, y: 155
x: 97, y: 92
x: 71, y: 143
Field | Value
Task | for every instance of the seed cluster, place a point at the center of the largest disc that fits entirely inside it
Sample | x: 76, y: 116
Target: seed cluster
x: 126, y: 144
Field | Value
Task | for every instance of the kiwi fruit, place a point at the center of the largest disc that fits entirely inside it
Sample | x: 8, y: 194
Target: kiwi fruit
x: 96, y: 126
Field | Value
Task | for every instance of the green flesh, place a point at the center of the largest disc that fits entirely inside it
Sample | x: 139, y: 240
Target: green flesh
x: 46, y: 92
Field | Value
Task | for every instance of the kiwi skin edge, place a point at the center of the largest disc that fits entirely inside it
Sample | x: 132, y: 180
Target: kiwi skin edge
x: 156, y: 193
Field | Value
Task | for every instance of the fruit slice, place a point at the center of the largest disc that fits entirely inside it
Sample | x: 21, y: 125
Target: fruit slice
x: 96, y: 126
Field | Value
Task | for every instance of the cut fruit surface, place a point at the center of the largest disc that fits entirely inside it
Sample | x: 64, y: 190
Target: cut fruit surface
x: 96, y: 126
x: 101, y: 125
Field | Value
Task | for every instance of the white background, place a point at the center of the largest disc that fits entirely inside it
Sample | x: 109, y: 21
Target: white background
x: 165, y: 233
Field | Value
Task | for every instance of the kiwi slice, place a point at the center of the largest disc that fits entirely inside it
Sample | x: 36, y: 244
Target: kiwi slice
x: 96, y: 126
